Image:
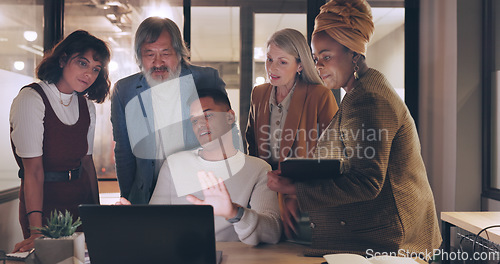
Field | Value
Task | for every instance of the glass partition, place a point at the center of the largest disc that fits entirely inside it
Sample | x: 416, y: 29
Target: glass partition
x: 215, y: 42
x: 216, y: 39
x: 21, y: 49
x: 385, y: 51
x: 115, y: 22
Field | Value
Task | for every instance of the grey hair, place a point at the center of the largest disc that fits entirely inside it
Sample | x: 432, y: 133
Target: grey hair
x: 294, y: 43
x: 149, y: 31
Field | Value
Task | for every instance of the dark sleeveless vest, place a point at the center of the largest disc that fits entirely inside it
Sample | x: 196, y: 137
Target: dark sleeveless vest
x: 63, y: 148
x: 63, y: 145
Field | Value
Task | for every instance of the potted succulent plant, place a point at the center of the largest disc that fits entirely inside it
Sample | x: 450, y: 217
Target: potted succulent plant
x: 59, y: 243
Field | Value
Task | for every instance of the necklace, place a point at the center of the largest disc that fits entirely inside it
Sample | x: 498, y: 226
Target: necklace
x: 61, y: 101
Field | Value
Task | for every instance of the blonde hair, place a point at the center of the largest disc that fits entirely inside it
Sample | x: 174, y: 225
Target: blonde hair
x: 295, y: 44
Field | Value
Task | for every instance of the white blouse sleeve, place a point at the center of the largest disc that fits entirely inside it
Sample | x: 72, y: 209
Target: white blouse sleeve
x: 26, y: 120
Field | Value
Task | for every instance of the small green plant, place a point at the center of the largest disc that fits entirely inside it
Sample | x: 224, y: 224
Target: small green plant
x: 59, y: 225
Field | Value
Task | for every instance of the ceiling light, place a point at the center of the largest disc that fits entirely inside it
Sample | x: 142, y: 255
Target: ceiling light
x: 113, y: 41
x: 113, y: 66
x: 38, y: 47
x: 114, y: 3
x: 258, y: 53
x: 30, y: 35
x: 260, y: 80
x: 159, y: 9
x: 111, y: 16
x: 19, y: 65
x: 30, y: 49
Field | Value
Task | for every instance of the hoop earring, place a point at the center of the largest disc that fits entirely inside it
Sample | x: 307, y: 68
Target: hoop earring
x: 356, y: 69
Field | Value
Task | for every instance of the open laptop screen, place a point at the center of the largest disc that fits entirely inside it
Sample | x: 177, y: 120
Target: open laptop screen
x: 149, y: 233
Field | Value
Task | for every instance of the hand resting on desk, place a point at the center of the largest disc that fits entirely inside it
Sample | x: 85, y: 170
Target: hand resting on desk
x: 27, y: 244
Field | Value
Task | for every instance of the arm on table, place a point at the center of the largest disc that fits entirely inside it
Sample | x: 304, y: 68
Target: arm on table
x: 33, y: 195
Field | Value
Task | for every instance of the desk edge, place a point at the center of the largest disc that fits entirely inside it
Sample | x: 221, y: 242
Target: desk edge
x: 9, y: 195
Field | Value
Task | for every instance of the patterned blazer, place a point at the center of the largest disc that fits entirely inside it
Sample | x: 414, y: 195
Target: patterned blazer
x: 383, y: 202
x: 311, y: 109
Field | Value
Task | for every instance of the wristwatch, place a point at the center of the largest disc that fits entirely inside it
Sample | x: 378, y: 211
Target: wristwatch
x: 238, y: 216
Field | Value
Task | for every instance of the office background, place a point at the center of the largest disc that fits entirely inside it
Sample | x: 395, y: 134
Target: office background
x: 441, y: 56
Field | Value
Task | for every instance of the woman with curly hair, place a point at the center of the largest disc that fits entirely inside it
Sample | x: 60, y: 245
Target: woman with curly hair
x: 52, y: 125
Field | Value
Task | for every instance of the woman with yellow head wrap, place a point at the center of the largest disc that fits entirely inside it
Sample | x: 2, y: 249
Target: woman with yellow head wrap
x: 381, y: 200
x: 348, y: 22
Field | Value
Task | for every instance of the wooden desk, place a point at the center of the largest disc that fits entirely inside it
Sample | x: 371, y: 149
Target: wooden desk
x: 240, y: 253
x: 9, y: 189
x: 472, y: 222
x: 282, y: 253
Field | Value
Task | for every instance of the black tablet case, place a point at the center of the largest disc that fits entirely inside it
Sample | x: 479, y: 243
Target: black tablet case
x: 310, y: 169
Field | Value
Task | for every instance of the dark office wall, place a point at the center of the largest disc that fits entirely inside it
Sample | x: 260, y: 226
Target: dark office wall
x: 469, y: 39
x: 450, y: 102
x: 438, y: 93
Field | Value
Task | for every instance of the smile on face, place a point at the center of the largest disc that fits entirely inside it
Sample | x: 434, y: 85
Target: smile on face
x: 334, y: 61
x: 210, y: 120
x: 79, y: 72
x: 159, y: 57
x: 281, y: 67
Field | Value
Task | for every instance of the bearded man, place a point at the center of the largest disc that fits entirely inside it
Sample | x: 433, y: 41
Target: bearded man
x: 149, y: 110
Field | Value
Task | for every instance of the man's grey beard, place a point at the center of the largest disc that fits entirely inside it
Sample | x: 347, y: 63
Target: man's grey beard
x: 175, y: 73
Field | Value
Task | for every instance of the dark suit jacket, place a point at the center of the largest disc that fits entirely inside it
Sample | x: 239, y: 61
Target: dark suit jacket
x: 311, y: 109
x: 384, y: 201
x: 136, y: 166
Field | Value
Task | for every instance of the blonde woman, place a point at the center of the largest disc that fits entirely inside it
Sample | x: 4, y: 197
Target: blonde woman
x: 288, y: 114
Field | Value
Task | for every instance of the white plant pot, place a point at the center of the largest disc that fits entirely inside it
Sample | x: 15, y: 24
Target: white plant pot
x: 64, y: 250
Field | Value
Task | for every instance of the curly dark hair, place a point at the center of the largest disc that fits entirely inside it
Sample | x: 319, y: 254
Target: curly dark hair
x: 78, y: 42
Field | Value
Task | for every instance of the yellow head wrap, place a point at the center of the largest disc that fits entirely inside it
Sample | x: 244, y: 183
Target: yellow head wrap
x: 349, y: 22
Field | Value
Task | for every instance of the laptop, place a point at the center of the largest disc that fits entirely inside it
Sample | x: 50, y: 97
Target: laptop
x: 149, y: 233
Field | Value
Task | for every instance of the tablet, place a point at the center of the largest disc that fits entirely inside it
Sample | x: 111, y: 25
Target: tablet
x: 310, y: 169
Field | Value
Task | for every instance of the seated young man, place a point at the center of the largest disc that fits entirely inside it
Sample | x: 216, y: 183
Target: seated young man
x: 245, y: 208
